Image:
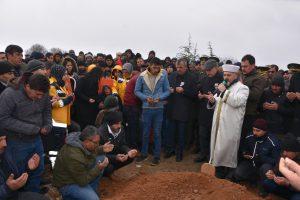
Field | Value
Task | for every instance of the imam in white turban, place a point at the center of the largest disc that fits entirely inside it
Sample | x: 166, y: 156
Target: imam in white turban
x: 230, y: 68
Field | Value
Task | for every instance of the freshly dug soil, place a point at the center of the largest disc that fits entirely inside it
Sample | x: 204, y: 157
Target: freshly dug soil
x: 179, y: 185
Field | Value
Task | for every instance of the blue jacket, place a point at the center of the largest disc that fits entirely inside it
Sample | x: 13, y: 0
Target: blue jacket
x: 265, y: 149
x: 7, y: 167
x: 161, y: 89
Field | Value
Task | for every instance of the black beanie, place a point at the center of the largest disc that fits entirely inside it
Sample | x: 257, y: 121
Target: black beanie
x: 109, y: 57
x: 113, y: 117
x: 5, y: 67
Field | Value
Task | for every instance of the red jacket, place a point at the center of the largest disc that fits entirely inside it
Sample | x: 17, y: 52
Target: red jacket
x: 129, y: 98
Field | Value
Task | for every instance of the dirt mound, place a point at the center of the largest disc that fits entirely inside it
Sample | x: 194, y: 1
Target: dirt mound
x: 180, y: 185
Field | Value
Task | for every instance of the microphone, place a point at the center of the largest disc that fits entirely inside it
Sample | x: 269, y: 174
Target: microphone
x: 217, y: 91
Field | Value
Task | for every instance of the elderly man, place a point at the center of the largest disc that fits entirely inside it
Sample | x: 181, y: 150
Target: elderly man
x: 230, y: 105
x: 183, y: 90
x: 80, y: 164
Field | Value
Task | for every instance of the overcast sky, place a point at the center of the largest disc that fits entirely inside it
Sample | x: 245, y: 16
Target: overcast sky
x: 268, y: 29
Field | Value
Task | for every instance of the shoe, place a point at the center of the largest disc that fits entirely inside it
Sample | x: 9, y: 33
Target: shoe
x: 155, y: 161
x: 221, y: 172
x: 141, y: 158
x: 179, y: 157
x: 169, y: 154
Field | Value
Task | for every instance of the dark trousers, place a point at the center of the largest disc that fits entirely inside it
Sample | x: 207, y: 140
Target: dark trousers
x: 114, y: 165
x: 204, y: 139
x: 246, y: 129
x: 192, y: 131
x: 245, y: 171
x: 175, y: 138
x: 132, y: 121
x: 55, y: 139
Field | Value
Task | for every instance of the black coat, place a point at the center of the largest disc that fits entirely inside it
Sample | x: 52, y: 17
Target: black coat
x: 295, y: 87
x: 2, y: 87
x: 278, y: 120
x: 120, y: 145
x: 86, y: 112
x: 179, y: 105
x: 207, y: 84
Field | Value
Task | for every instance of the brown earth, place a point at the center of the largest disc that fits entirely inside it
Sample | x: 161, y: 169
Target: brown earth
x: 171, y: 180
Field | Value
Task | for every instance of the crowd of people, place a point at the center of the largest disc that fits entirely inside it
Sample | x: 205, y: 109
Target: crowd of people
x: 101, y: 113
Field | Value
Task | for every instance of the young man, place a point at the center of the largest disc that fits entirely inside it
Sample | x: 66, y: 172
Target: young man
x: 152, y: 87
x: 6, y: 74
x: 275, y: 107
x: 261, y: 152
x: 13, y: 179
x: 14, y: 55
x: 230, y: 105
x: 80, y: 164
x: 25, y: 114
x: 132, y: 112
x: 256, y: 84
x: 112, y: 133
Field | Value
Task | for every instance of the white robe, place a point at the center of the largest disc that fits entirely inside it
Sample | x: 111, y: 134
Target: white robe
x: 227, y: 125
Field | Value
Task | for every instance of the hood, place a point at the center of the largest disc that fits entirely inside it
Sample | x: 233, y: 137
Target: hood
x: 74, y: 141
x: 128, y: 67
x: 117, y: 67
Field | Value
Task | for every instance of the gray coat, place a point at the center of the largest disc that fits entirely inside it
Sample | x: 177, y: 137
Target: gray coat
x: 21, y: 117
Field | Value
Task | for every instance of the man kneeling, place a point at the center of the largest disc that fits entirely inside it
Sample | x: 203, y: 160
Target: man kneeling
x: 261, y: 152
x: 13, y: 179
x: 112, y: 133
x: 79, y: 165
x: 275, y: 182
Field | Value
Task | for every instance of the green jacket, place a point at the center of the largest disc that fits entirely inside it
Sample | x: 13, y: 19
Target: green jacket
x: 74, y: 164
x: 256, y: 84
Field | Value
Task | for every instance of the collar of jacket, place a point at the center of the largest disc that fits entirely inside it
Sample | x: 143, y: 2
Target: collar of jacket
x: 182, y: 75
x: 262, y: 138
x: 146, y: 75
x: 253, y: 72
x: 115, y: 135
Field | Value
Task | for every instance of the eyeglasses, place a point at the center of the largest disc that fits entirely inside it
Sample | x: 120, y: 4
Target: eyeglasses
x: 95, y: 143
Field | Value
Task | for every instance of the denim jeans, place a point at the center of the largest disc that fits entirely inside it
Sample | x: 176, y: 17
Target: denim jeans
x: 75, y: 192
x: 175, y: 132
x: 152, y: 118
x: 22, y: 151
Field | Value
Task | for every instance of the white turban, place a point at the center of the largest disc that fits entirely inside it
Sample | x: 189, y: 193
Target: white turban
x: 231, y: 68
